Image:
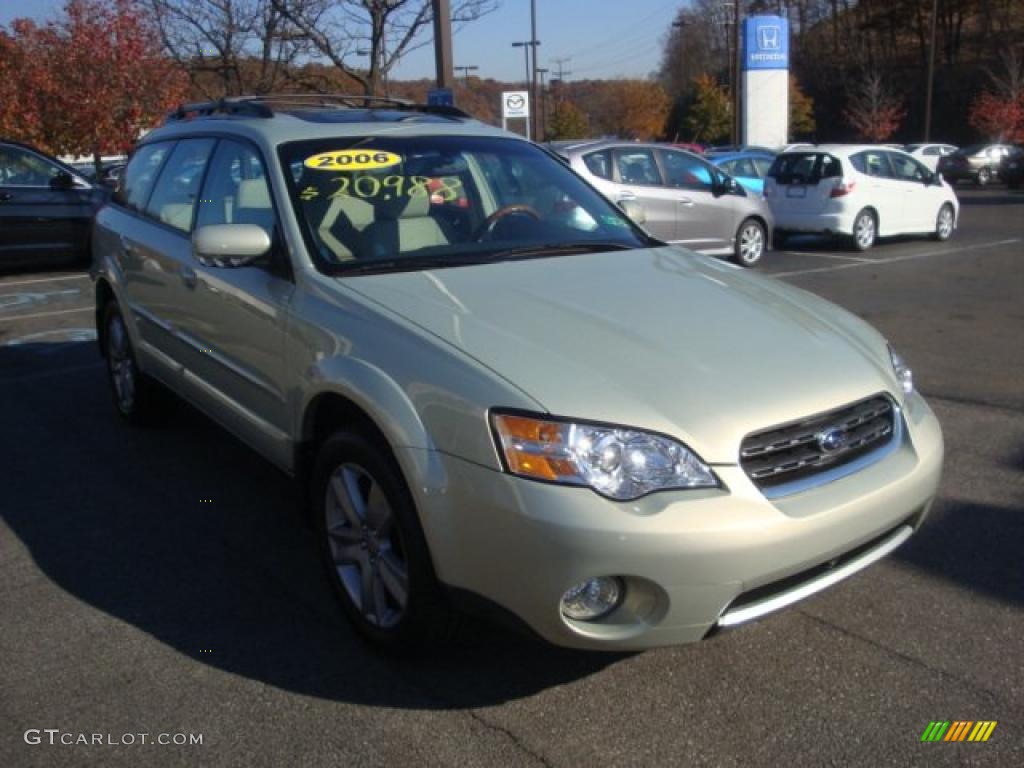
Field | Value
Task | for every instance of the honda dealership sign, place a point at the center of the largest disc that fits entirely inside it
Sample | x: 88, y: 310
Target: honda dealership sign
x: 765, y: 81
x: 766, y: 43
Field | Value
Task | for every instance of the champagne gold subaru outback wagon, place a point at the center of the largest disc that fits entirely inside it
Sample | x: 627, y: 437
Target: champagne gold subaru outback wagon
x: 499, y: 390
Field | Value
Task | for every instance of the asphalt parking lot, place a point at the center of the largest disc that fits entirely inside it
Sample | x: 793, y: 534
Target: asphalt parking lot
x: 158, y: 582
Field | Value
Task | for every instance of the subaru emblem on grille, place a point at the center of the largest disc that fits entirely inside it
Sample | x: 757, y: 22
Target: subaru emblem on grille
x: 832, y: 439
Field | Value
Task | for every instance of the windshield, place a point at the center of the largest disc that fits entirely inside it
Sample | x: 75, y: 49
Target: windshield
x: 388, y: 203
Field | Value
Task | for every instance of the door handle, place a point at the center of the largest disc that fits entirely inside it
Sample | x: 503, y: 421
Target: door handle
x: 189, y: 277
x: 627, y: 195
x: 686, y: 201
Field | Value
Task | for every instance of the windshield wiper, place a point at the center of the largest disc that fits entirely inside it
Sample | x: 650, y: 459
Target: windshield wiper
x: 556, y: 249
x: 418, y: 263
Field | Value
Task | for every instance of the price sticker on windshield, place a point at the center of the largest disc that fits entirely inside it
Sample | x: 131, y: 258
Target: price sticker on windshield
x: 352, y: 160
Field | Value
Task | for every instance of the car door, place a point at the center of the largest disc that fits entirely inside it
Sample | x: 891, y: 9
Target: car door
x: 920, y: 199
x: 704, y: 220
x: 44, y: 210
x: 236, y: 316
x: 884, y: 191
x: 635, y: 176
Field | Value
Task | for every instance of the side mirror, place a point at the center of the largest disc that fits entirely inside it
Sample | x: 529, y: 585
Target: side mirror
x: 230, y: 245
x: 62, y: 180
x: 634, y: 210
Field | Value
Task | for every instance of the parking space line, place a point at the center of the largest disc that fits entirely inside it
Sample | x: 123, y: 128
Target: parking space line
x: 893, y: 259
x: 46, y: 314
x: 44, y: 280
x: 826, y: 255
x: 49, y: 374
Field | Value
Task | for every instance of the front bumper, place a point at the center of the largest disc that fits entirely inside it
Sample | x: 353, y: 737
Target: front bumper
x: 685, y: 556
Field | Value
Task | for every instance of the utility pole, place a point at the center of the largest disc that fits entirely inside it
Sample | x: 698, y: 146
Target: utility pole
x: 931, y: 76
x: 443, y: 43
x: 560, y: 71
x: 465, y: 73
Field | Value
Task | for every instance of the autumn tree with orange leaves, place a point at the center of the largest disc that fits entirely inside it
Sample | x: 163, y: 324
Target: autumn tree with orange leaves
x: 88, y: 83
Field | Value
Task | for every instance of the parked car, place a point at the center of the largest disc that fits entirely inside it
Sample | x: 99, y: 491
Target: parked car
x: 729, y: 149
x: 109, y: 172
x: 1011, y: 167
x: 525, y: 403
x: 748, y: 168
x: 978, y: 163
x: 929, y: 154
x: 46, y: 208
x: 684, y: 199
x: 860, y: 192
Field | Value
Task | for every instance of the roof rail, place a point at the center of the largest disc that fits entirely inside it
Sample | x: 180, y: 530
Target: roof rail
x: 259, y: 105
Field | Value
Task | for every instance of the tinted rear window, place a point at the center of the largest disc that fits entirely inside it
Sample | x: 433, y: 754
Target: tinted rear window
x: 804, y: 168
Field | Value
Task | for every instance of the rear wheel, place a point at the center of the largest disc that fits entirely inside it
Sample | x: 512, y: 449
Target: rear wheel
x: 944, y: 223
x: 984, y: 177
x: 372, y: 545
x: 138, y: 398
x: 865, y: 230
x: 750, y: 240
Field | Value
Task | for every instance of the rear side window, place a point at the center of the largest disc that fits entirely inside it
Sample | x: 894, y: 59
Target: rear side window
x: 804, y: 168
x: 140, y: 174
x: 599, y: 164
x: 177, y: 190
x: 637, y: 166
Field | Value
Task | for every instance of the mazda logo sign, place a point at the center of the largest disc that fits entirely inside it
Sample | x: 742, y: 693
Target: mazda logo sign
x: 515, y: 102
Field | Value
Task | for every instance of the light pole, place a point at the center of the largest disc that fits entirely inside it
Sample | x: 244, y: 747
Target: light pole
x: 525, y: 45
x: 931, y: 77
x: 542, y: 126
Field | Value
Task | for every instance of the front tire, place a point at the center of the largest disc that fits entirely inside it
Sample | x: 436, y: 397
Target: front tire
x: 865, y: 230
x: 139, y: 399
x: 984, y: 177
x: 750, y: 243
x: 944, y: 223
x: 372, y: 545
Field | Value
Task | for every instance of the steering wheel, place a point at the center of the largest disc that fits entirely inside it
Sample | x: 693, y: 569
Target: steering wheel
x: 501, y: 213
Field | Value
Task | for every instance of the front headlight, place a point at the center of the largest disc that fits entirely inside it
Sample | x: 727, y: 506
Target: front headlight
x: 616, y: 462
x: 904, y: 375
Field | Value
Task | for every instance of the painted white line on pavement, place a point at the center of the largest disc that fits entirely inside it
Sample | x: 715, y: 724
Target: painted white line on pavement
x: 826, y: 255
x: 46, y: 314
x: 49, y: 374
x: 44, y: 280
x: 893, y: 259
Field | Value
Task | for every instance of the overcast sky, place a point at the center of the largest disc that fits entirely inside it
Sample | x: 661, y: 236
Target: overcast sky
x: 602, y: 38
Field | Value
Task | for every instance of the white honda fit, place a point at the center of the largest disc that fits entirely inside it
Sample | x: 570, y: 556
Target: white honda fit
x: 860, y: 192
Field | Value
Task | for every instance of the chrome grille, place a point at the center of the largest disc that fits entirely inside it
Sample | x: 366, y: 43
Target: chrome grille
x: 801, y: 449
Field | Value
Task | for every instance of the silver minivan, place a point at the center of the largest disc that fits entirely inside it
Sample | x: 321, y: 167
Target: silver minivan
x: 684, y: 198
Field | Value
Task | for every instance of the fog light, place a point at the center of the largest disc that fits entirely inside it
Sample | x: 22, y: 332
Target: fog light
x: 593, y: 598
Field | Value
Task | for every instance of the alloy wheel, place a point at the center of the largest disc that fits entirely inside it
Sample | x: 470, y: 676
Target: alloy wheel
x: 864, y: 231
x: 751, y: 244
x: 366, y: 546
x: 121, y: 363
x: 945, y: 225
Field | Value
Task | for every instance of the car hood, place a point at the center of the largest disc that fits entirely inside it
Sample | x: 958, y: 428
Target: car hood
x: 660, y: 339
